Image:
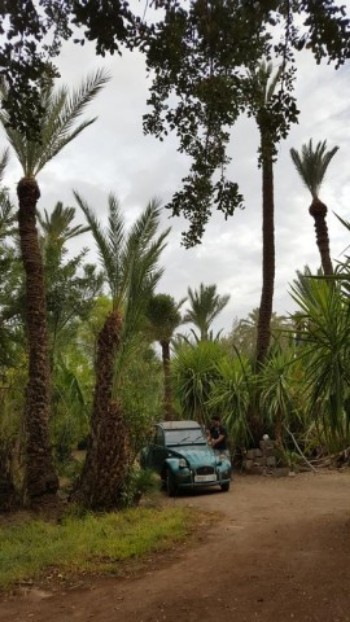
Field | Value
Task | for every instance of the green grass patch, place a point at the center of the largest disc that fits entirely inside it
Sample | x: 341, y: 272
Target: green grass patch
x: 92, y: 543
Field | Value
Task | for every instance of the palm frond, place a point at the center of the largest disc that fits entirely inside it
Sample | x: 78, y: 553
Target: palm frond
x: 4, y: 158
x: 58, y: 126
x: 101, y: 239
x: 312, y: 163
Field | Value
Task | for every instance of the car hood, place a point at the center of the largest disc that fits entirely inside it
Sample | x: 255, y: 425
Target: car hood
x: 196, y: 455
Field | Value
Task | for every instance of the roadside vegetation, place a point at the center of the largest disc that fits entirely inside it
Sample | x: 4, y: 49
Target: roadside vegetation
x: 82, y: 381
x: 32, y: 550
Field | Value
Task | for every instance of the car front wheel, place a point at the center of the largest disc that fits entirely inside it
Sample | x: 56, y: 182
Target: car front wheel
x: 225, y: 487
x: 170, y: 484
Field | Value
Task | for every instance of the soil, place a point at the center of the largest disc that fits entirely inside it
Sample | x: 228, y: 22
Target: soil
x: 279, y: 551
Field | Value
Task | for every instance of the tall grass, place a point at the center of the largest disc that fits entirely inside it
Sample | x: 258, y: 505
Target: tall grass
x: 90, y: 543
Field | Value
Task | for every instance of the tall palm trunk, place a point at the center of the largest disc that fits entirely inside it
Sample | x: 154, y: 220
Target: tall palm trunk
x: 40, y: 476
x: 318, y: 211
x: 268, y: 231
x: 168, y: 409
x: 107, y: 458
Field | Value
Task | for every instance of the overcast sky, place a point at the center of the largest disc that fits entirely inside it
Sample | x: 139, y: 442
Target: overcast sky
x: 114, y: 155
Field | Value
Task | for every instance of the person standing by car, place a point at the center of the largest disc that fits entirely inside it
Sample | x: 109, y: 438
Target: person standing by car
x: 218, y: 435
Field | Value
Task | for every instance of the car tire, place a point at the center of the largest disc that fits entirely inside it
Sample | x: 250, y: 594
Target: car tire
x: 170, y: 484
x: 225, y: 487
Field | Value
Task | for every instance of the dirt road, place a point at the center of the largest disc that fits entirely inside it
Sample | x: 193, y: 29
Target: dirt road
x: 282, y: 552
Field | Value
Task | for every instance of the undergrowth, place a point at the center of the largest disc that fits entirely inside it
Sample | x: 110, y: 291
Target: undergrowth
x: 90, y: 543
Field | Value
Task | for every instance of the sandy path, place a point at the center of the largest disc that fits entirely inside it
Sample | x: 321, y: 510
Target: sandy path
x: 282, y: 552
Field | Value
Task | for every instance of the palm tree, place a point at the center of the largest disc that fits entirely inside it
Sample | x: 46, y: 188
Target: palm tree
x: 264, y: 85
x: 312, y: 164
x: 58, y: 128
x: 130, y: 264
x: 206, y: 305
x: 164, y: 318
x: 70, y: 287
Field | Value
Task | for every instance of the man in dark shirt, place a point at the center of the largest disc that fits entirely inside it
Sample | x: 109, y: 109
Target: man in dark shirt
x: 218, y: 434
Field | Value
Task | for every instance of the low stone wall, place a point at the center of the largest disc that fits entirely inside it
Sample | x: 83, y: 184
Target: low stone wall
x: 262, y: 459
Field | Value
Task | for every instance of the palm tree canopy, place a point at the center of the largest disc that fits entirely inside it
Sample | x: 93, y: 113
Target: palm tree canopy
x: 206, y: 305
x: 57, y: 225
x: 129, y: 258
x: 164, y: 316
x: 58, y: 125
x: 264, y: 83
x: 312, y: 164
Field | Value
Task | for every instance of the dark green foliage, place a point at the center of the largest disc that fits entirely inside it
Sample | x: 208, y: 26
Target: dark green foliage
x: 199, y: 58
x: 32, y: 34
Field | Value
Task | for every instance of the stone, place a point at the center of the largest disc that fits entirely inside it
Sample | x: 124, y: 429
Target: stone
x: 271, y: 461
x: 248, y: 465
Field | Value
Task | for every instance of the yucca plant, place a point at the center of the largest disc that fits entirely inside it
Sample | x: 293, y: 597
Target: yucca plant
x: 326, y: 355
x: 230, y: 396
x: 59, y: 127
x: 195, y: 371
x: 278, y: 401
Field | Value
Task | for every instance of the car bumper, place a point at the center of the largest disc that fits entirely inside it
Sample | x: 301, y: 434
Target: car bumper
x: 192, y: 484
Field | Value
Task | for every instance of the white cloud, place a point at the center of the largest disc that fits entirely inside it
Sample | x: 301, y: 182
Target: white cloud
x: 114, y: 155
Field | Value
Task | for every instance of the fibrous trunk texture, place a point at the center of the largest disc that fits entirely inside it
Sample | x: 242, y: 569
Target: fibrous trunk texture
x: 108, y: 453
x: 168, y: 409
x: 268, y: 232
x: 40, y: 475
x: 318, y: 211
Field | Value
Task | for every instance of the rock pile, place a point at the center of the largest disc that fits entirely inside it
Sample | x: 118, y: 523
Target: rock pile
x: 262, y: 459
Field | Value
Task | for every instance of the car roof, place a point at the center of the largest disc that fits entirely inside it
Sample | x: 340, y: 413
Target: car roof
x: 179, y: 425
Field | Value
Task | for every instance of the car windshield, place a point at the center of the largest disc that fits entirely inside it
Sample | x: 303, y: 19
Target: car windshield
x: 185, y: 437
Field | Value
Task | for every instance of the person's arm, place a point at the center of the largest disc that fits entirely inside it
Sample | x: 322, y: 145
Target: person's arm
x: 218, y: 440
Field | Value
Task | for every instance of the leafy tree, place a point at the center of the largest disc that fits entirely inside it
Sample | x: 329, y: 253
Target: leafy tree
x: 231, y: 33
x: 164, y: 318
x: 205, y: 306
x: 312, y: 164
x: 57, y: 129
x: 130, y: 263
x: 32, y: 35
x: 199, y: 54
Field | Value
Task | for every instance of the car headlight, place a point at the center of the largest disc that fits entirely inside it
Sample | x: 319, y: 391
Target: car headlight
x: 182, y: 463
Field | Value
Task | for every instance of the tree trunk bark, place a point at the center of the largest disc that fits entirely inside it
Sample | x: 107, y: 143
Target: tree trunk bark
x: 108, y: 452
x: 168, y: 409
x: 40, y: 475
x: 268, y: 232
x: 318, y: 211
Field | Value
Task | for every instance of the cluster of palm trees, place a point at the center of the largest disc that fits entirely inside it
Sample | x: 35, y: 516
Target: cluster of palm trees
x: 130, y: 265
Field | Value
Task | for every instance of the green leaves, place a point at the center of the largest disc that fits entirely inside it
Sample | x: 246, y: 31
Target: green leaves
x: 205, y: 306
x: 312, y: 163
x: 326, y: 353
x: 58, y: 126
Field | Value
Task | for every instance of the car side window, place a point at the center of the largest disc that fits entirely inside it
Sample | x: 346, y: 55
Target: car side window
x: 159, y: 437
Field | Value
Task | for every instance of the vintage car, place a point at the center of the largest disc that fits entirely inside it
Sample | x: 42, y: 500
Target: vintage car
x: 180, y: 453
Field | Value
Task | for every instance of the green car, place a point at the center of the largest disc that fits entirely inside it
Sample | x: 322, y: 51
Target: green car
x: 180, y: 453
